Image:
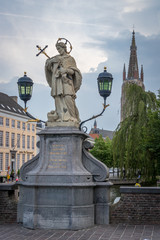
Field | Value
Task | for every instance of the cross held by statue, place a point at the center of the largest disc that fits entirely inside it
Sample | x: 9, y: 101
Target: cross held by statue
x: 42, y: 51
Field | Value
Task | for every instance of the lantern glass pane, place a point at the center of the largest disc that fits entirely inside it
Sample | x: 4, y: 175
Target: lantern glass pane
x: 28, y: 90
x: 22, y: 91
x: 101, y: 85
x: 110, y: 86
x: 105, y: 85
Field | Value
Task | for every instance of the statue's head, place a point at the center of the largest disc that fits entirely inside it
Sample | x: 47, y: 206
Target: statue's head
x: 62, y: 45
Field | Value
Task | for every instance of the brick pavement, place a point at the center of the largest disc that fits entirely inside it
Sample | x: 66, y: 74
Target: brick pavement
x: 107, y: 232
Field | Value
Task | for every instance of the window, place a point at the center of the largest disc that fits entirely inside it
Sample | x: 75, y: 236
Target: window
x: 6, y: 161
x: 13, y: 123
x: 18, y: 125
x: 1, y: 161
x: 7, y: 139
x: 1, y: 138
x: 2, y: 105
x: 1, y: 121
x: 12, y: 139
x: 23, y: 141
x: 28, y: 127
x: 32, y: 142
x: 18, y: 140
x: 23, y: 158
x: 23, y: 126
x: 7, y: 122
x: 33, y: 128
x: 18, y: 161
x: 28, y: 142
x: 28, y: 157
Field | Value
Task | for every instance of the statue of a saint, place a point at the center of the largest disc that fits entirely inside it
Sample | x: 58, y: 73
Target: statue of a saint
x: 65, y: 79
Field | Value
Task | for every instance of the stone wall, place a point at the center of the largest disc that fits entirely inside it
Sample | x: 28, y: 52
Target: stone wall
x: 8, y: 203
x: 137, y: 205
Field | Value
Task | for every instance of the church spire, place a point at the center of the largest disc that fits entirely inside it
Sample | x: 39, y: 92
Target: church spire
x: 124, y: 72
x: 95, y: 124
x: 132, y: 77
x: 142, y: 73
x: 133, y: 72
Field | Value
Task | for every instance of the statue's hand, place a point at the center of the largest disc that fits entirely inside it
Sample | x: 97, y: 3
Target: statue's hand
x: 63, y: 70
x: 50, y: 62
x: 67, y: 71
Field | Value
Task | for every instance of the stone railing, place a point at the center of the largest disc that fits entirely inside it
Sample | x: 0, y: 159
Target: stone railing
x: 137, y: 205
x: 8, y: 202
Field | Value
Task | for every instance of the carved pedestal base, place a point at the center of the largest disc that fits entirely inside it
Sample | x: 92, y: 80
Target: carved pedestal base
x: 59, y: 188
x: 102, y: 202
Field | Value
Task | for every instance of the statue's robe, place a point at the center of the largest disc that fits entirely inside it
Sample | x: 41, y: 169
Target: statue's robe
x: 64, y: 86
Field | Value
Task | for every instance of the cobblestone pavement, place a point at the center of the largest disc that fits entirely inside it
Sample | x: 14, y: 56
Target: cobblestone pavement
x: 107, y: 232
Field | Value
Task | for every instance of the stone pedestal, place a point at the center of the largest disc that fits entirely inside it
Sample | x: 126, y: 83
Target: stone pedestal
x: 58, y: 185
x: 102, y: 202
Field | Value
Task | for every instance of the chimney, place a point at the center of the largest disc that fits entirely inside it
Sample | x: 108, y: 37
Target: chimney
x: 15, y: 98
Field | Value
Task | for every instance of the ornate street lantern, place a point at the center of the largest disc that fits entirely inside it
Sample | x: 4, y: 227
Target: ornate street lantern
x: 104, y: 81
x: 25, y: 85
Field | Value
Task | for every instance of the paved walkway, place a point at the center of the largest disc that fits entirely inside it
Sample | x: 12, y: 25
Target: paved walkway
x: 108, y: 232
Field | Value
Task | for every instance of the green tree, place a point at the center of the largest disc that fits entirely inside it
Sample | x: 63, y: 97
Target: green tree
x: 152, y: 141
x: 103, y: 151
x: 128, y: 142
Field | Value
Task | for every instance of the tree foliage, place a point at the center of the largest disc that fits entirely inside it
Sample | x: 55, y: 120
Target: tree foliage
x: 103, y: 150
x: 132, y: 135
x: 152, y: 140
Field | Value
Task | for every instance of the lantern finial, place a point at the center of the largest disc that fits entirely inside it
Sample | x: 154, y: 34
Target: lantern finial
x: 105, y: 69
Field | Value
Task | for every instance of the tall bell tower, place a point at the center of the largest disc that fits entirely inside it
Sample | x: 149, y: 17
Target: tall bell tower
x: 133, y: 74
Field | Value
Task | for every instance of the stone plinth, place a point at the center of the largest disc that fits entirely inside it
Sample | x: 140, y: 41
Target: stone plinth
x: 57, y: 191
x: 102, y: 202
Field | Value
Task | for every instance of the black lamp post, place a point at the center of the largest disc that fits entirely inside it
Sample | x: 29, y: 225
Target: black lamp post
x: 25, y: 85
x: 104, y: 81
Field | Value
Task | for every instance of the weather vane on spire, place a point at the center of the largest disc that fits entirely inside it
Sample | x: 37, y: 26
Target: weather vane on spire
x: 133, y: 27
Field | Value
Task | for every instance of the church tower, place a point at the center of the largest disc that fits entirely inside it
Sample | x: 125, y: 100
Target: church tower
x: 133, y: 74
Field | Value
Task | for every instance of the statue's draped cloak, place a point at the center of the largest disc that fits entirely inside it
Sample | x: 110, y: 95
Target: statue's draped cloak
x: 64, y: 86
x: 55, y: 81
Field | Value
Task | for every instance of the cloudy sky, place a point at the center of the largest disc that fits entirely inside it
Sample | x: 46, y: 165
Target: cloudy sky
x: 100, y: 33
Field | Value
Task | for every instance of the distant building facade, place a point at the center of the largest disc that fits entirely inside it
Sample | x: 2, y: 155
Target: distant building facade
x: 17, y: 135
x: 132, y: 76
x: 96, y: 132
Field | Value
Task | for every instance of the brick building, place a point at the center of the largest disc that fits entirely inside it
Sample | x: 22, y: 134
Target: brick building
x: 17, y: 135
x: 96, y: 132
